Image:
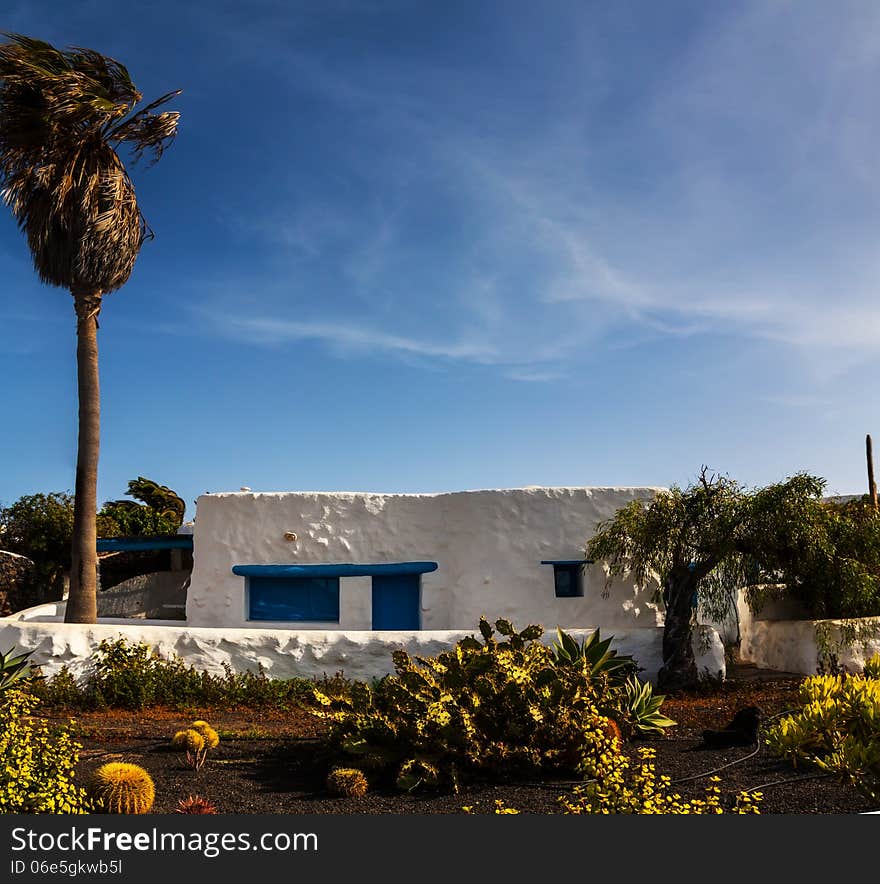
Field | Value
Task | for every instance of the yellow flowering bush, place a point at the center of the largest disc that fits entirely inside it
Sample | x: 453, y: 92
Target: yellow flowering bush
x: 36, y: 765
x: 836, y: 730
x: 620, y: 784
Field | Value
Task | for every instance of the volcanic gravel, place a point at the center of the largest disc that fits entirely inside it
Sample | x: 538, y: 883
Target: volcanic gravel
x: 271, y: 763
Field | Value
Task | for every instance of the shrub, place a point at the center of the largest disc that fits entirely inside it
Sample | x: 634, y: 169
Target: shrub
x: 120, y: 787
x: 871, y: 669
x: 494, y: 709
x: 38, y: 767
x: 837, y: 729
x: 133, y: 676
x: 61, y: 690
x: 620, y: 784
x: 347, y: 781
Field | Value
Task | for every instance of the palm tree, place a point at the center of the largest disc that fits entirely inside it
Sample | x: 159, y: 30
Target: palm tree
x: 63, y: 114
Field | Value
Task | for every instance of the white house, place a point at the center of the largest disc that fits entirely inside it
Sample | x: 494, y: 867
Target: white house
x: 312, y: 583
x: 357, y: 561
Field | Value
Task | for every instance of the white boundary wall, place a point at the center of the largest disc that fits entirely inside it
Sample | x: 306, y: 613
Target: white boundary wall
x: 358, y: 654
x: 489, y: 546
x: 792, y: 646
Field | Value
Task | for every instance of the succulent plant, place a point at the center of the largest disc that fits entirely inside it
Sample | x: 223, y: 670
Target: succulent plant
x: 188, y: 740
x: 347, y: 781
x: 495, y: 709
x: 13, y: 668
x: 120, y: 787
x: 209, y: 735
x: 642, y: 707
x: 195, y: 804
x: 597, y: 652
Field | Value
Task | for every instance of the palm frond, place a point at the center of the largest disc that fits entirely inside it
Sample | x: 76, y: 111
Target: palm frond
x: 62, y: 113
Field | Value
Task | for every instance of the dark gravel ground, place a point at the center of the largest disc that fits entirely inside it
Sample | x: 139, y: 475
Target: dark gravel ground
x: 266, y: 764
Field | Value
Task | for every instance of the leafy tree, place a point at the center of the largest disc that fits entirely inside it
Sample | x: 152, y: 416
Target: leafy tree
x: 166, y: 505
x: 40, y: 526
x: 824, y: 554
x: 63, y: 114
x: 714, y: 538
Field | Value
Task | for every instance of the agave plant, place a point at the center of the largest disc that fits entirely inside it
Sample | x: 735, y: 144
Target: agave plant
x: 597, y: 652
x: 13, y: 668
x: 642, y: 707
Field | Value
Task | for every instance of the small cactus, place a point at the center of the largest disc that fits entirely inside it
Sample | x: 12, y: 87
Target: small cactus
x: 195, y: 804
x: 347, y: 781
x: 120, y: 787
x: 189, y: 740
x: 209, y: 735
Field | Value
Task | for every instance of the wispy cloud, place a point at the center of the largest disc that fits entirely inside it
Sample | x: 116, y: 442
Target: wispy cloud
x: 547, y: 241
x: 350, y: 338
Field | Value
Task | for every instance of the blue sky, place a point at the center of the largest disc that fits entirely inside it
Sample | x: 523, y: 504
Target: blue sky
x: 429, y: 246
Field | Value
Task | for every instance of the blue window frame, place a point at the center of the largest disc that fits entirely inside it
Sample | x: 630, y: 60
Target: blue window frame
x: 568, y: 577
x: 299, y: 599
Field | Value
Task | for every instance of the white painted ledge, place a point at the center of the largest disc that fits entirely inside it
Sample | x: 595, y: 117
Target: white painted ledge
x: 286, y: 653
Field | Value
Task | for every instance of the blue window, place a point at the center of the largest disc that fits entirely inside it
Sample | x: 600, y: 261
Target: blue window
x: 299, y: 599
x: 568, y: 577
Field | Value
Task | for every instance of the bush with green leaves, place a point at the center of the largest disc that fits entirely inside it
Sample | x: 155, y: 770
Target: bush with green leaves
x: 836, y: 730
x: 491, y: 709
x: 871, y: 669
x: 132, y: 675
x: 37, y: 773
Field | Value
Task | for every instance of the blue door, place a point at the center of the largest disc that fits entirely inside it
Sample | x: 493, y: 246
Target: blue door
x: 396, y: 600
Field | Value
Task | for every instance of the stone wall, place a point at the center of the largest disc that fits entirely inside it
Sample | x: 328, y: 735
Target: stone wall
x: 18, y: 585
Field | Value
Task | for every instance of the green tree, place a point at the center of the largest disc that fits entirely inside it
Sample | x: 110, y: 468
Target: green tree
x: 63, y: 114
x: 166, y: 504
x: 40, y: 526
x: 713, y: 538
x: 824, y: 554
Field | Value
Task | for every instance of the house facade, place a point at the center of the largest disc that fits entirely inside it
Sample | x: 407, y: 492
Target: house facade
x: 365, y: 561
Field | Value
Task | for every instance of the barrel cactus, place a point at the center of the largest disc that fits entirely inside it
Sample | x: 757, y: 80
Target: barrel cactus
x: 120, y: 787
x: 189, y: 740
x: 347, y: 781
x: 209, y: 735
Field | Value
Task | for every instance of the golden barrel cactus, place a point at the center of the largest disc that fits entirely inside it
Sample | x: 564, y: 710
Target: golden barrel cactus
x: 189, y: 740
x: 120, y: 787
x: 347, y: 781
x: 209, y: 735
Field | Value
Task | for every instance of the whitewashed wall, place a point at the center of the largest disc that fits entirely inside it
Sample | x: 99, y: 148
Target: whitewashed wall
x: 488, y: 546
x: 791, y: 645
x: 285, y: 653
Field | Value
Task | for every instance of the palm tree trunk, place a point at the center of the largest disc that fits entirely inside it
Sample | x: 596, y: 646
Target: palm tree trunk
x: 82, y: 602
